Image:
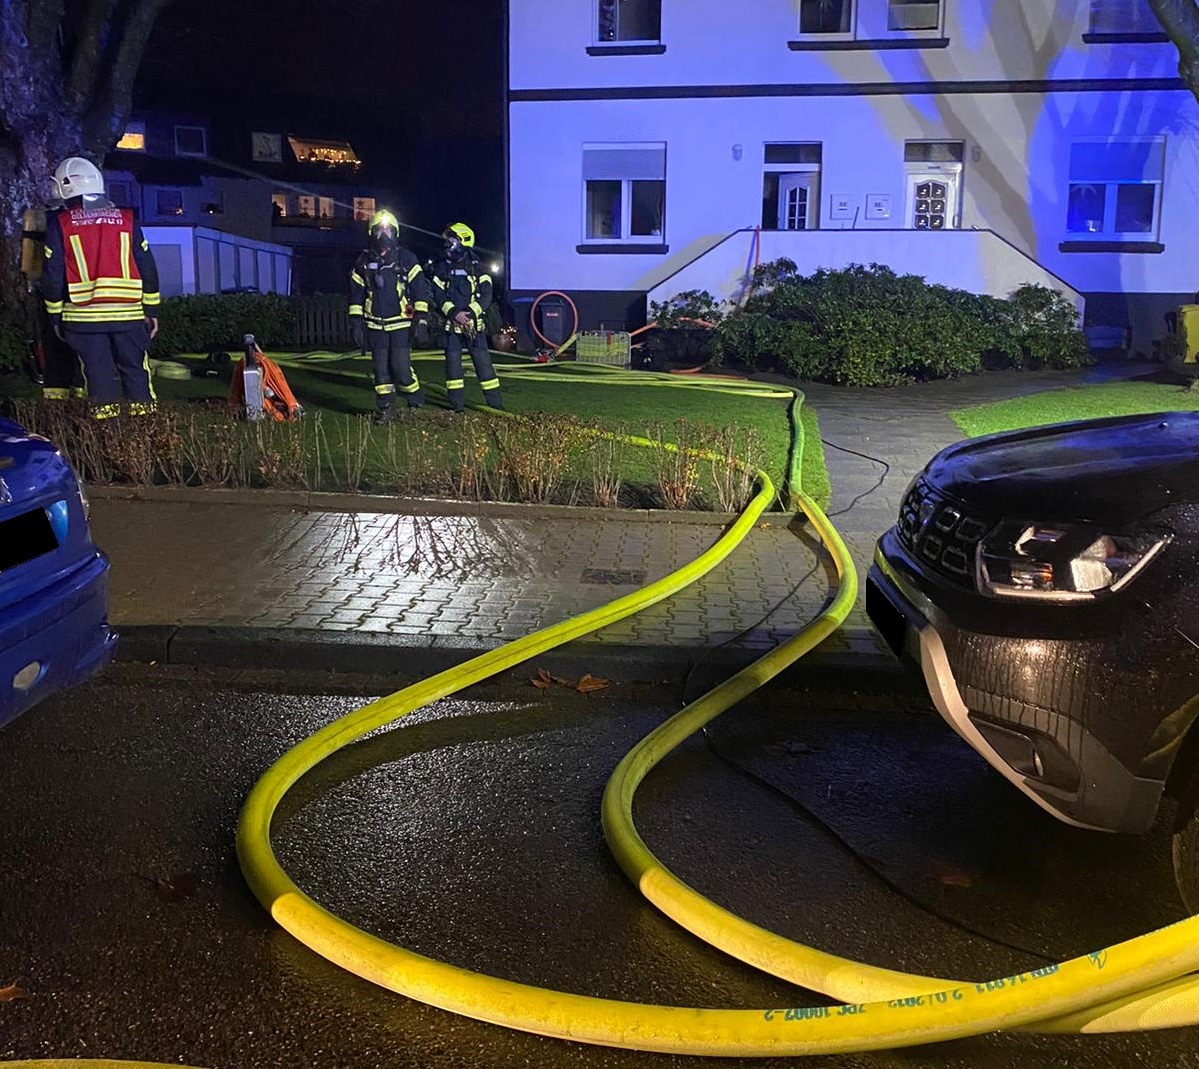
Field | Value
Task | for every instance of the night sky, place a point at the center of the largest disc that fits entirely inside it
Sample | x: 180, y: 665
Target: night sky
x: 415, y: 85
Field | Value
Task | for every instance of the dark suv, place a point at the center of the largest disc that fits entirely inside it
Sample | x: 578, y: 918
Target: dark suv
x: 1045, y: 584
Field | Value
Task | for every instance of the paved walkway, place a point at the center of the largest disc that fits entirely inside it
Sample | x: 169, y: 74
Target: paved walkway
x: 448, y: 577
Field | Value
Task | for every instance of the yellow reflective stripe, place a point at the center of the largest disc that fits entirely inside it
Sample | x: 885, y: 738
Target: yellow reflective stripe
x: 80, y: 259
x: 152, y: 299
x: 106, y: 411
x: 126, y: 253
x: 354, y: 310
x: 477, y: 308
x: 54, y: 308
x: 482, y: 278
x: 385, y: 388
x: 78, y: 392
x: 145, y: 245
x: 447, y: 308
x: 149, y: 382
x: 46, y: 252
x: 413, y: 388
x: 490, y: 384
x: 56, y: 393
x: 71, y: 314
x: 143, y: 408
x: 357, y: 278
x: 455, y: 384
x: 413, y: 273
x: 421, y: 306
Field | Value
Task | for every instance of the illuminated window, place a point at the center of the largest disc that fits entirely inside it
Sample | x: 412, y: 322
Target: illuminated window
x: 191, y: 141
x: 628, y: 20
x: 1115, y: 189
x: 364, y: 208
x: 214, y: 202
x: 168, y: 201
x: 279, y: 205
x: 624, y: 192
x: 324, y: 207
x: 1123, y: 16
x: 328, y: 153
x: 791, y: 186
x: 134, y: 138
x: 306, y: 207
x: 913, y: 14
x: 826, y: 16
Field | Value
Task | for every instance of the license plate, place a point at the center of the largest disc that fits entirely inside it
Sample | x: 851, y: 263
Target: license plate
x: 887, y: 619
x: 25, y: 537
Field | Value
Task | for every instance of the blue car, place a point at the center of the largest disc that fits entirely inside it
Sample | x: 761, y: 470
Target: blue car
x: 54, y: 629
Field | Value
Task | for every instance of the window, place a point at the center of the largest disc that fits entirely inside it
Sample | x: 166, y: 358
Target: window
x: 625, y: 193
x: 191, y: 141
x: 330, y: 153
x: 214, y: 202
x: 279, y: 205
x: 121, y: 194
x: 134, y: 137
x: 306, y: 207
x: 628, y: 20
x: 1123, y: 17
x: 791, y: 186
x: 1115, y: 189
x: 826, y: 16
x: 325, y: 207
x: 934, y: 151
x: 168, y: 202
x: 364, y: 208
x: 913, y: 14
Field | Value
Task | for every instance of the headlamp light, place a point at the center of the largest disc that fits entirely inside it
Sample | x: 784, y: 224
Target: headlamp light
x: 1061, y: 562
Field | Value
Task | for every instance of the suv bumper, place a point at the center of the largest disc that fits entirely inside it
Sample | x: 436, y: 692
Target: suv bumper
x: 63, y: 631
x: 1065, y: 769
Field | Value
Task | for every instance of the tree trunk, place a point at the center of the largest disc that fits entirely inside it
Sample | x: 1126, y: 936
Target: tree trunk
x: 1180, y: 20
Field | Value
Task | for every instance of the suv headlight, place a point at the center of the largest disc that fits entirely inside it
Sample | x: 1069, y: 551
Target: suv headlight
x: 1061, y: 562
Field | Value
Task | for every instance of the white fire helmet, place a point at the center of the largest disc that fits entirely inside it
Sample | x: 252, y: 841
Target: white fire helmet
x: 77, y: 177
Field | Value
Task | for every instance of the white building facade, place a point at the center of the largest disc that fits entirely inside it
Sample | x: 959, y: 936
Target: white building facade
x: 657, y: 146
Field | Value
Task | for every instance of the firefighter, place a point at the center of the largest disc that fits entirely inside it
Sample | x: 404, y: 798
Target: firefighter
x: 388, y: 291
x: 463, y: 289
x: 99, y: 283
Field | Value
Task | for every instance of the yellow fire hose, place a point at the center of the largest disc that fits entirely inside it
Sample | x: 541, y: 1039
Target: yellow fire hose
x: 1139, y: 984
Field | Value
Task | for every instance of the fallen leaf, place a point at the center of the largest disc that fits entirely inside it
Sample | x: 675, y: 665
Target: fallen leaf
x: 589, y: 683
x: 569, y: 684
x: 539, y: 683
x: 544, y: 676
x: 177, y: 888
x: 12, y: 992
x: 765, y: 526
x: 949, y: 875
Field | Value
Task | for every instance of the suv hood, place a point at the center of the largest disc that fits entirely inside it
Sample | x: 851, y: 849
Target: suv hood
x: 1113, y: 471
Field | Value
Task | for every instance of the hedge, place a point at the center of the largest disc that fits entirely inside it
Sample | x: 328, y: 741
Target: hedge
x: 200, y: 324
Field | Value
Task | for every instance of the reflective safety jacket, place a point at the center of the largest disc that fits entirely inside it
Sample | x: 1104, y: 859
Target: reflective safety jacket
x: 388, y: 294
x: 462, y: 286
x: 99, y: 273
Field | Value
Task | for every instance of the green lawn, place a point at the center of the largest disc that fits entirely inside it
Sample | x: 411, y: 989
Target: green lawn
x: 340, y: 384
x: 1078, y: 402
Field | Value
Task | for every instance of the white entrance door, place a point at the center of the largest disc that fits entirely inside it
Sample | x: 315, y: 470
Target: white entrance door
x: 798, y: 197
x: 933, y: 198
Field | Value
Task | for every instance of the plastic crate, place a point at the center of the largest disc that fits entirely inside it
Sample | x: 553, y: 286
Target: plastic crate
x: 604, y: 347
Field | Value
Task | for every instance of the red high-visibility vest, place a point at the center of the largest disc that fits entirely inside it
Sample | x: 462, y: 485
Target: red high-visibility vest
x: 97, y: 247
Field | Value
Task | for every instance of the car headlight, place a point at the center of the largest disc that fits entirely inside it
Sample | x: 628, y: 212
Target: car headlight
x: 1061, y: 562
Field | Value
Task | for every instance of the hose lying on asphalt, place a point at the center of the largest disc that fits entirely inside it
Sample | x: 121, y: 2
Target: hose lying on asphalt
x: 1139, y: 984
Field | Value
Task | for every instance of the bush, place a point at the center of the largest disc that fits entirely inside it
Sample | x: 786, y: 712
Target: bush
x: 686, y: 322
x: 868, y: 326
x: 203, y: 323
x: 13, y: 351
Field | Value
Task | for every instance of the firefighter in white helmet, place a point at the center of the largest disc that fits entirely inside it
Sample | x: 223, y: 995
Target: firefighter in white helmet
x: 100, y: 285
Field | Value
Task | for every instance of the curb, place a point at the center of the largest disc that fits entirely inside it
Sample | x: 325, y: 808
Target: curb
x: 293, y: 649
x: 403, y: 506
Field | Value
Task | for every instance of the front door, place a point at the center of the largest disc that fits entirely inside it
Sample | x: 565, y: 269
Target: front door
x: 933, y: 200
x: 798, y: 197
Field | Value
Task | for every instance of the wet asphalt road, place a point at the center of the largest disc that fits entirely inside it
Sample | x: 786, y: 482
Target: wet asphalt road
x: 471, y: 834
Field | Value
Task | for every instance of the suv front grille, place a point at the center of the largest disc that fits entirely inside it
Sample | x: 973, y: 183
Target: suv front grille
x: 942, y: 535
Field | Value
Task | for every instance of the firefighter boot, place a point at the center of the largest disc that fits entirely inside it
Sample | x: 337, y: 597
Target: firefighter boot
x: 385, y: 405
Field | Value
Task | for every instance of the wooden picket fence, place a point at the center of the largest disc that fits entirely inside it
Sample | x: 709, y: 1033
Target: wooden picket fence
x: 322, y: 322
